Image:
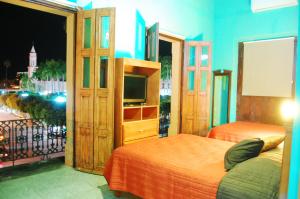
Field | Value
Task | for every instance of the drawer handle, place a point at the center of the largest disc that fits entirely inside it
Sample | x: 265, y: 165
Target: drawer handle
x: 141, y: 131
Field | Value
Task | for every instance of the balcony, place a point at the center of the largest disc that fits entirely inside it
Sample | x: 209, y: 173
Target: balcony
x: 32, y: 164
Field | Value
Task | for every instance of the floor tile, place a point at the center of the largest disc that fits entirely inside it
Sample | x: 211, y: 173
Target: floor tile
x: 53, y: 180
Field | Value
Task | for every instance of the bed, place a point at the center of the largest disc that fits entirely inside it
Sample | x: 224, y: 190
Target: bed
x: 237, y: 131
x: 189, y: 166
x: 173, y: 167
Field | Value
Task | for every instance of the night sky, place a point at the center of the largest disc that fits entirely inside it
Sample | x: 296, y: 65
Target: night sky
x: 20, y: 27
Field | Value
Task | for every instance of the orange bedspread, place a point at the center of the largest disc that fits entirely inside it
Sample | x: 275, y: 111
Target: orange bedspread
x: 182, y: 166
x: 237, y: 131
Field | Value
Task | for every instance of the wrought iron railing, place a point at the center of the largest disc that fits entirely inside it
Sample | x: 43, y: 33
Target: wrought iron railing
x: 164, y: 124
x: 31, y: 138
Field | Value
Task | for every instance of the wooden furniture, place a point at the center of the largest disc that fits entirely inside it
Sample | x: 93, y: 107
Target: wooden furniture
x: 137, y: 122
x: 196, y: 88
x: 94, y: 118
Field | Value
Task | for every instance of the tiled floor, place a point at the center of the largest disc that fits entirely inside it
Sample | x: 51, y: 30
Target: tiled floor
x: 52, y: 180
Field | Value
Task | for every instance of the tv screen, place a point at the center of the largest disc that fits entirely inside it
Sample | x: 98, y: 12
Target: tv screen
x: 135, y: 88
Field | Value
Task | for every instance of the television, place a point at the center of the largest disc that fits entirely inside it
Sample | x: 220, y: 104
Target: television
x: 135, y: 88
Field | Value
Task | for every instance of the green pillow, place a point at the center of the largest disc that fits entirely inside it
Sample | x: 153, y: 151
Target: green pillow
x: 242, y: 151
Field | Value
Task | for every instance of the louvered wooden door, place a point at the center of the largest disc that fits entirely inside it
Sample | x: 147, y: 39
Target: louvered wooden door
x: 94, y: 88
x: 196, y: 88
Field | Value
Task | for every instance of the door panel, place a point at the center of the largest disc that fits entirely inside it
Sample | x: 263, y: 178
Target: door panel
x: 153, y: 42
x: 203, y: 93
x: 104, y: 87
x: 84, y: 98
x: 94, y: 88
x: 189, y: 89
x: 196, y: 88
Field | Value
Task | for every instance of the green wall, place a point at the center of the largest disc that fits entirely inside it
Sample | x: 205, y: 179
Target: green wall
x: 234, y: 22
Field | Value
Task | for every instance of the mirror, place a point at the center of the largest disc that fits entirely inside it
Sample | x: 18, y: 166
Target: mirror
x: 221, y: 97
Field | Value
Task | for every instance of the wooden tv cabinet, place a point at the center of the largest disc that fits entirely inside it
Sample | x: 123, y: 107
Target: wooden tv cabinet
x: 134, y: 123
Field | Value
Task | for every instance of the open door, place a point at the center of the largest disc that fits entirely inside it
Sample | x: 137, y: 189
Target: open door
x: 153, y: 43
x: 94, y: 99
x: 196, y: 88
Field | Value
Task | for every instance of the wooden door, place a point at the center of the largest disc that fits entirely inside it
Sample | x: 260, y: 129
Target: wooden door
x: 84, y: 94
x: 153, y: 43
x: 196, y: 88
x: 94, y: 88
x: 104, y: 87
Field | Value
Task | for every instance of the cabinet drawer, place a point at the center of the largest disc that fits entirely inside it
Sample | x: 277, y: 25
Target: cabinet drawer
x: 141, y: 139
x: 140, y: 129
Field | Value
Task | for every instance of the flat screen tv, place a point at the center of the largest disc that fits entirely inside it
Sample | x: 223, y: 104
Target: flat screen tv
x: 135, y: 88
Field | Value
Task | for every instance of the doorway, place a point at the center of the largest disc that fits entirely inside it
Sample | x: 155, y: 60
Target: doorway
x: 170, y: 56
x: 165, y: 58
x: 56, y: 139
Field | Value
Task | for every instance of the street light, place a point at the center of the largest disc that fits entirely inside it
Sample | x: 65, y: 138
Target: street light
x: 24, y: 94
x: 60, y: 99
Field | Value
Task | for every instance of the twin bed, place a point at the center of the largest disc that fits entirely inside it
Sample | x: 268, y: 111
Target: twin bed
x: 189, y: 166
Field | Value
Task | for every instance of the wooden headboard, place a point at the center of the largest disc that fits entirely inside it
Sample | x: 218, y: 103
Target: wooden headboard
x: 258, y: 109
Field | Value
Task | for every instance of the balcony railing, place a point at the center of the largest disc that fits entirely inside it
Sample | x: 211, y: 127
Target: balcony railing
x: 28, y: 140
x: 164, y: 124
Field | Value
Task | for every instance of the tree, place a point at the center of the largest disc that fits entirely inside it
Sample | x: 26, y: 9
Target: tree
x: 6, y: 65
x: 166, y: 67
x: 52, y: 70
x: 26, y: 83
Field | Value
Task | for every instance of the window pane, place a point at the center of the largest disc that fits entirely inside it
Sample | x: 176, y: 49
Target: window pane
x: 86, y: 72
x: 103, y: 71
x: 192, y: 56
x: 203, y: 81
x: 87, y: 32
x: 204, y: 56
x: 191, y: 80
x: 105, y: 23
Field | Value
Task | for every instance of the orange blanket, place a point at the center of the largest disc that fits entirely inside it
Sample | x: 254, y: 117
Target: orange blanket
x: 182, y: 166
x: 237, y: 131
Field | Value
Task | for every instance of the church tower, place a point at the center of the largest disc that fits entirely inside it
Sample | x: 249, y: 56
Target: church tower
x: 32, y: 62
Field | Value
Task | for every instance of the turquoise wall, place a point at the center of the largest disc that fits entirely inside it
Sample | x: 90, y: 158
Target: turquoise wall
x: 234, y: 22
x: 85, y: 4
x: 190, y: 19
x: 225, y: 23
x: 294, y: 183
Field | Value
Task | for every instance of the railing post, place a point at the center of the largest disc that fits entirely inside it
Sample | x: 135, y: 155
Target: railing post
x: 13, y: 141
